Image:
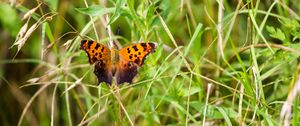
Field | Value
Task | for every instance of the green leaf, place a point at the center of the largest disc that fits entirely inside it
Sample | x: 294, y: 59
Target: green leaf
x: 278, y: 34
x: 293, y: 27
x: 226, y: 115
x: 120, y: 10
x: 49, y: 32
x: 96, y: 10
x: 193, y: 90
x: 150, y: 13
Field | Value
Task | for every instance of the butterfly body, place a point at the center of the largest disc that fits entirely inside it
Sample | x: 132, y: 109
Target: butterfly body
x: 116, y: 65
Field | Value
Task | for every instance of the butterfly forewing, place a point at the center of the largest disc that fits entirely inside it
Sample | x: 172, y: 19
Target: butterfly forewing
x: 137, y: 53
x: 95, y: 51
x: 100, y: 55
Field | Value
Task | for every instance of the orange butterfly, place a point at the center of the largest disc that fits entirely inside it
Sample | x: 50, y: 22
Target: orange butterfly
x: 121, y: 64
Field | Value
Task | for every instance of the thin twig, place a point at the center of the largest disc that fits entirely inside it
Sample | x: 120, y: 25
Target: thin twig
x: 53, y: 105
x: 240, y: 118
x: 220, y: 29
x: 206, y: 102
x: 111, y: 42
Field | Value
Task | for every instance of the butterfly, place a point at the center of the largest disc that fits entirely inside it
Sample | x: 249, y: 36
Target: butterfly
x: 122, y: 65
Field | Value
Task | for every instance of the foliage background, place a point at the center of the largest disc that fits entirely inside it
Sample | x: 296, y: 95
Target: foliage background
x: 218, y: 62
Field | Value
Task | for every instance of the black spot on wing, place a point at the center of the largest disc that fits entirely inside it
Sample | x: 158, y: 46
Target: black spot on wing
x: 85, y: 45
x: 135, y: 48
x: 137, y: 61
x: 128, y: 50
x: 144, y: 45
x: 102, y: 49
x: 90, y: 42
x: 97, y: 46
x: 153, y: 46
x: 82, y: 43
x: 94, y: 59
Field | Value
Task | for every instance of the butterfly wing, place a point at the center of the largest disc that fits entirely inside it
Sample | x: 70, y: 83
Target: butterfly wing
x: 137, y: 53
x: 100, y: 55
x: 103, y: 72
x: 131, y: 57
x: 95, y: 51
x: 126, y: 71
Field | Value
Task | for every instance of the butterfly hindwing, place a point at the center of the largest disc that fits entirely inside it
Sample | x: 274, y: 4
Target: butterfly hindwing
x: 126, y: 71
x: 100, y: 55
x: 103, y: 72
x: 137, y: 53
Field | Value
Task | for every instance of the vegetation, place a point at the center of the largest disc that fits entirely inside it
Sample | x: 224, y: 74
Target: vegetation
x: 217, y: 62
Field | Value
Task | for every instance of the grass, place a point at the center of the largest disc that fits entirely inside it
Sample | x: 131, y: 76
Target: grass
x: 217, y: 63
